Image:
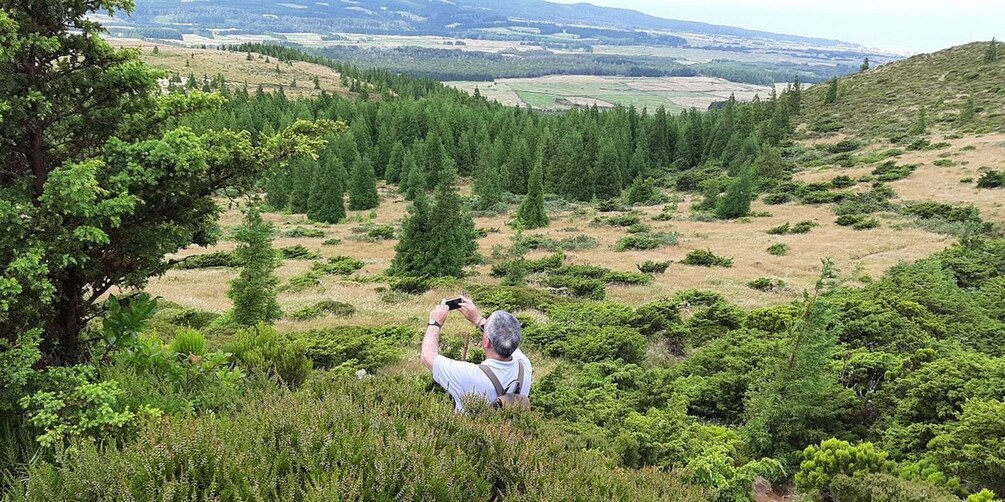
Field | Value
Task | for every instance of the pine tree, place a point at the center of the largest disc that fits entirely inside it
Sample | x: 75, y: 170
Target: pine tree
x: 412, y: 254
x: 969, y: 112
x: 454, y: 236
x: 865, y: 65
x: 415, y: 183
x: 253, y: 291
x: 156, y: 50
x: 487, y: 189
x: 736, y: 203
x: 317, y: 83
x: 920, y: 126
x: 607, y: 172
x: 641, y: 191
x: 991, y: 55
x: 795, y: 96
x: 363, y: 186
x: 531, y: 213
x: 249, y: 58
x: 327, y: 200
x: 518, y: 168
x: 395, y: 164
x: 832, y: 92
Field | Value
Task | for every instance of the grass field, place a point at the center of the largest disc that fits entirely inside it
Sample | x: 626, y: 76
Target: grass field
x: 559, y: 92
x: 238, y: 70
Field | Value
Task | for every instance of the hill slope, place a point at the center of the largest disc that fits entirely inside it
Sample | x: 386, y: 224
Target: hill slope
x: 886, y: 101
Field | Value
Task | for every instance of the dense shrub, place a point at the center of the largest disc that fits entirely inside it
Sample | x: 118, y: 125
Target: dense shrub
x: 803, y: 227
x: 324, y: 307
x: 890, y: 171
x: 653, y: 267
x: 705, y: 258
x: 411, y: 285
x: 628, y: 278
x: 341, y: 265
x: 298, y: 252
x: 866, y: 224
x: 766, y: 284
x: 843, y: 181
x: 778, y: 249
x: 299, y: 232
x: 833, y: 457
x: 991, y: 179
x: 578, y: 287
x: 623, y: 220
x: 403, y: 442
x: 883, y: 487
x: 774, y: 199
x: 208, y: 260
x: 644, y: 241
x: 355, y: 347
x: 513, y: 298
x: 262, y: 350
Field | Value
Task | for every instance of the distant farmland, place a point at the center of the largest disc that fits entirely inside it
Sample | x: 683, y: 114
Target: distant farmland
x: 559, y: 92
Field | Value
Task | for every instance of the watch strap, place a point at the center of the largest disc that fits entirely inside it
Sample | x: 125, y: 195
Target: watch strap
x: 434, y: 323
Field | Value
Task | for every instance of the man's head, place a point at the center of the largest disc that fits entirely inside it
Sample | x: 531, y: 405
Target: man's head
x: 502, y: 334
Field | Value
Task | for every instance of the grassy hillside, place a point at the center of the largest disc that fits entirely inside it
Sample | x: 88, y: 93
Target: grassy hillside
x: 885, y: 102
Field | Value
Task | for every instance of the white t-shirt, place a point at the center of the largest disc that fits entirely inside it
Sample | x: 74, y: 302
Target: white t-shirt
x: 460, y: 378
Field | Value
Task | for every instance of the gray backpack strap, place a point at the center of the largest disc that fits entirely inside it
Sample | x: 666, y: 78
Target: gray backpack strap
x: 500, y: 391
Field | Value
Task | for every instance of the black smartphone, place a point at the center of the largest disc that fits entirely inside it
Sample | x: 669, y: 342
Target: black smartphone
x: 455, y: 303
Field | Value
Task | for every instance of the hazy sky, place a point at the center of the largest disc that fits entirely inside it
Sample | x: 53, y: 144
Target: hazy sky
x: 905, y: 25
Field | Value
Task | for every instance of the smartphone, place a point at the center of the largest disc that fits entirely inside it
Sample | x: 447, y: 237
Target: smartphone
x: 455, y: 303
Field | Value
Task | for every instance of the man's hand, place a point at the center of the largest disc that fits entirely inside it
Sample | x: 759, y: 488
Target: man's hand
x: 439, y: 314
x: 470, y: 310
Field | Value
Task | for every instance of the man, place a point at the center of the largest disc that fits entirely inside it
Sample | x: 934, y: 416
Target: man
x: 503, y: 359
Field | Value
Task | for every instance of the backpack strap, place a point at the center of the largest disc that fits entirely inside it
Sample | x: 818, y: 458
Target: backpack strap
x: 519, y: 378
x: 500, y: 391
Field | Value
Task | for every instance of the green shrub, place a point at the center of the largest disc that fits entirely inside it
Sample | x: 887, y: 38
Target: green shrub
x: 411, y: 285
x: 332, y: 242
x: 780, y: 229
x: 380, y: 233
x: 847, y: 220
x: 352, y: 348
x: 833, y: 457
x: 298, y: 252
x: 767, y: 285
x: 583, y: 271
x: 623, y: 220
x: 820, y: 197
x: 189, y: 342
x: 774, y: 199
x: 324, y: 307
x: 300, y: 232
x: 843, y: 181
x: 610, y: 205
x: 705, y: 258
x: 803, y: 227
x: 844, y: 146
x: 577, y: 287
x: 403, y: 443
x: 628, y: 278
x: 883, y: 487
x: 971, y: 447
x: 991, y: 179
x: 512, y: 298
x: 639, y: 228
x: 645, y: 241
x: 778, y: 249
x: 890, y: 171
x: 262, y: 350
x: 943, y: 163
x: 592, y: 313
x: 653, y: 267
x: 866, y: 224
x: 610, y: 343
x: 340, y: 265
x: 208, y: 260
x: 304, y: 281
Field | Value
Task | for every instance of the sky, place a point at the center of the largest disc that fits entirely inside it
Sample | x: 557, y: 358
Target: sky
x: 900, y: 25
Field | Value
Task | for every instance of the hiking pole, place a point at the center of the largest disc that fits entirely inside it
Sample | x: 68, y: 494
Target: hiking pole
x: 467, y: 343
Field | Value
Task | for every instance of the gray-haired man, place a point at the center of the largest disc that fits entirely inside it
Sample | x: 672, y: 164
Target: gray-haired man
x: 505, y: 368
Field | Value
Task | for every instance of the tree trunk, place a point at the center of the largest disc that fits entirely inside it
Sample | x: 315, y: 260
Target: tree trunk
x: 62, y: 345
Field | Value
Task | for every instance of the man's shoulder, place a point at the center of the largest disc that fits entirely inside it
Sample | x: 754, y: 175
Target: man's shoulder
x: 445, y: 363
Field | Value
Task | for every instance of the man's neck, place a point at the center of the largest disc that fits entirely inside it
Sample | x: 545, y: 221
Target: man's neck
x: 492, y: 355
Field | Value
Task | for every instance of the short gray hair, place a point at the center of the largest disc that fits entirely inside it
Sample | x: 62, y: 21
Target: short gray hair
x: 503, y: 331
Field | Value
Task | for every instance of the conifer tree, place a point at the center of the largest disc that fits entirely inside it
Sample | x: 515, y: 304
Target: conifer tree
x: 412, y: 254
x: 969, y: 112
x: 865, y: 65
x: 641, y: 191
x: 487, y: 189
x: 434, y: 157
x: 415, y: 182
x: 832, y: 92
x: 607, y: 172
x: 327, y: 191
x: 531, y: 213
x: 991, y: 55
x: 253, y: 290
x: 453, y: 229
x: 518, y: 168
x: 637, y: 165
x: 156, y: 50
x: 795, y: 96
x: 920, y: 125
x: 736, y: 202
x: 395, y: 164
x: 363, y: 186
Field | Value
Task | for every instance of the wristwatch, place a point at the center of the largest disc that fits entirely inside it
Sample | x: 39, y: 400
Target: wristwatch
x: 434, y: 323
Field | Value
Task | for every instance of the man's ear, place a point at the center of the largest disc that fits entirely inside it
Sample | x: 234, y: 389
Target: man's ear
x: 486, y: 343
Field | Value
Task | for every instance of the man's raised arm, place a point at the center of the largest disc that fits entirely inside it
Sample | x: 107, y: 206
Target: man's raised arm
x: 431, y: 341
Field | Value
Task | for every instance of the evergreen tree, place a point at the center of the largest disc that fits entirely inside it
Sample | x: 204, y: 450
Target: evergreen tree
x: 253, y: 290
x: 607, y: 172
x: 641, y: 191
x: 736, y: 203
x: 327, y: 197
x: 412, y: 254
x: 363, y: 186
x: 518, y: 168
x: 637, y: 166
x: 832, y: 92
x: 317, y: 83
x: 991, y: 55
x: 156, y: 50
x: 415, y: 183
x: 795, y: 96
x: 434, y: 159
x: 865, y: 65
x: 395, y: 169
x: 531, y: 213
x: 969, y: 112
x: 487, y: 189
x: 920, y: 125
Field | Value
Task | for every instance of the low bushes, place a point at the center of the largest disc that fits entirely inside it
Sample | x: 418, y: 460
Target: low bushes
x: 646, y: 240
x: 653, y: 267
x: 356, y: 347
x: 262, y: 350
x: 300, y: 232
x: 801, y: 227
x: 207, y: 260
x: 767, y: 285
x: 324, y: 307
x: 778, y: 249
x: 705, y: 258
x: 992, y: 179
x: 890, y: 171
x: 298, y: 252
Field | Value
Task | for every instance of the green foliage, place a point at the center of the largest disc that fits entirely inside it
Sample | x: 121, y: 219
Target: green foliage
x: 774, y: 199
x: 653, y: 267
x: 646, y: 240
x: 782, y: 229
x: 253, y: 291
x: 890, y: 171
x: 207, y: 260
x: 778, y: 249
x: 411, y: 285
x: 301, y: 232
x: 531, y: 213
x: 324, y: 307
x: 736, y: 202
x: 705, y: 258
x: 766, y: 284
x: 363, y: 185
x: 352, y: 348
x: 642, y: 191
x: 834, y: 457
x: 436, y: 241
x: 992, y: 179
x: 262, y: 350
x: 326, y: 202
x: 876, y: 487
x: 289, y: 446
x: 298, y: 252
x: 971, y: 447
x: 832, y: 92
x: 578, y: 287
x: 188, y: 342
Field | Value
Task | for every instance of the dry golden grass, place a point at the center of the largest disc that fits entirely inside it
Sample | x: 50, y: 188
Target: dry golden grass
x: 237, y: 70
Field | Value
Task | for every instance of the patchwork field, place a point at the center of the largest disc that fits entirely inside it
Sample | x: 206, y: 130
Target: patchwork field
x: 560, y: 92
